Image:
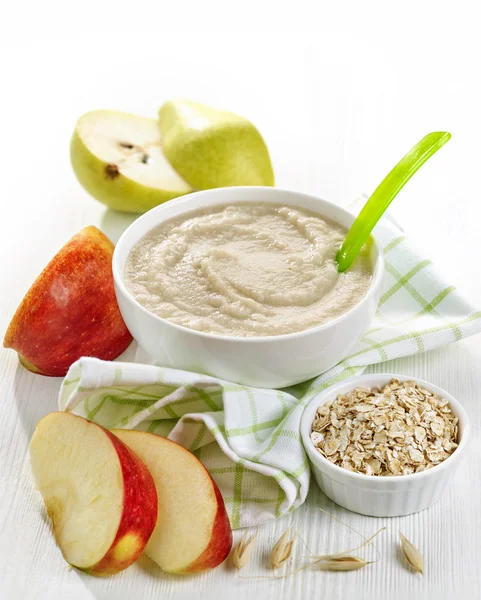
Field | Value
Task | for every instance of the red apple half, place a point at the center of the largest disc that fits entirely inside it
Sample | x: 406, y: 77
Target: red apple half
x: 71, y: 310
x: 193, y: 532
x: 99, y: 495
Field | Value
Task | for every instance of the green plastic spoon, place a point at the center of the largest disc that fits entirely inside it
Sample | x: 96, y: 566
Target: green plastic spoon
x: 385, y: 193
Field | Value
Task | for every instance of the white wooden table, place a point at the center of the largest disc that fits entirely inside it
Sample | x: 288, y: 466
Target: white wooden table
x: 337, y: 110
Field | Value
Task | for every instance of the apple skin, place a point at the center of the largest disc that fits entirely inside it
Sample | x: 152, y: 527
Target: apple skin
x: 221, y: 539
x: 139, y: 514
x: 139, y: 502
x: 71, y: 309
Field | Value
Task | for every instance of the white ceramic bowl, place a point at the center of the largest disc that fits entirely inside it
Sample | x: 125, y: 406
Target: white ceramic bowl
x: 382, y: 496
x: 274, y: 361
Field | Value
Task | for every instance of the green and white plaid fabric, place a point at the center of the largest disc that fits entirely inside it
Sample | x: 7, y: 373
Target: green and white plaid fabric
x: 249, y: 438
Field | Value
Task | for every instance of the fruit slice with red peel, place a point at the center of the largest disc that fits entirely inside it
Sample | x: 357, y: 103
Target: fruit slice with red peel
x: 100, y: 496
x: 193, y: 532
x: 71, y: 309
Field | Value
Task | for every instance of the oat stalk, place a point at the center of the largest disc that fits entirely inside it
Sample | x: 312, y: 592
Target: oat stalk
x: 366, y: 540
x: 283, y: 548
x: 412, y: 554
x: 242, y: 552
x: 342, y: 563
x: 341, y: 554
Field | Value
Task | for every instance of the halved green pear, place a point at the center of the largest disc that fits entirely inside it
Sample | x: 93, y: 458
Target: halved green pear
x: 118, y: 158
x: 211, y: 148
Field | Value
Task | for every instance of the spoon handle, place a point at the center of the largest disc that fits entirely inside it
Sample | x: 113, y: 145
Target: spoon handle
x: 385, y: 193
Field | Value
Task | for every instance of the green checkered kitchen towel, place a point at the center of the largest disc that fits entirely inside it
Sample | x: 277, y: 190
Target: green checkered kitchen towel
x: 249, y: 438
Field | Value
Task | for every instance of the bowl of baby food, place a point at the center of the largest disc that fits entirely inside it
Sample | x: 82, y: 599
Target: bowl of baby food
x: 241, y: 283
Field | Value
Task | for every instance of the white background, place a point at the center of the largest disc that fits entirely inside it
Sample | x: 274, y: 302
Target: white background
x: 340, y: 94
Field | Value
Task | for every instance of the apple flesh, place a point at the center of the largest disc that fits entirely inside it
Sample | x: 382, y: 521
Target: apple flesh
x: 71, y: 309
x: 99, y: 495
x: 211, y: 148
x: 118, y: 159
x: 193, y: 532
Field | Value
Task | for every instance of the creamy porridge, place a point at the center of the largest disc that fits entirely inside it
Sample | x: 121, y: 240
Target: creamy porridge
x: 246, y: 270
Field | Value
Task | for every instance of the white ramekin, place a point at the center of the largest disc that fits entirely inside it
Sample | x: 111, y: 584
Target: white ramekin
x: 275, y: 361
x: 382, y: 496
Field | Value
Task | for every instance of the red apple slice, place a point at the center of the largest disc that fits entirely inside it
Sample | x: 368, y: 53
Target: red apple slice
x: 193, y: 532
x: 99, y: 495
x: 71, y: 310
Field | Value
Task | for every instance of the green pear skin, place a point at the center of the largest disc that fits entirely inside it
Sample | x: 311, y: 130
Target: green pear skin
x: 122, y: 182
x: 211, y: 148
